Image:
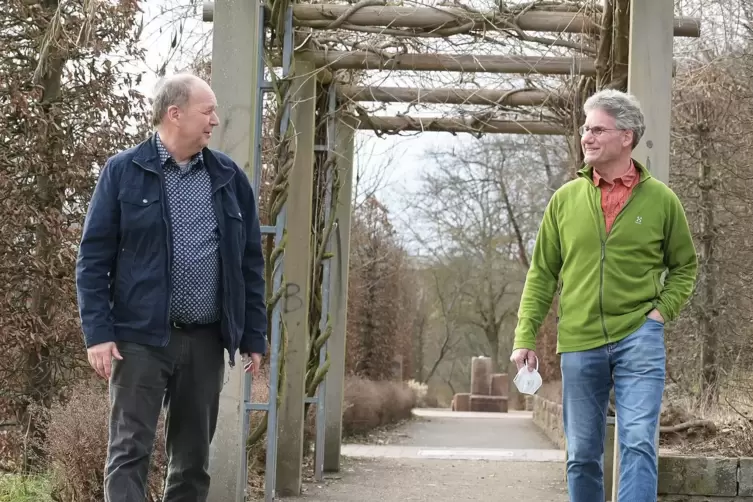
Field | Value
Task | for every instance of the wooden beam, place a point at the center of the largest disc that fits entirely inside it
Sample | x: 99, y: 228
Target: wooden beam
x: 322, y: 16
x: 458, y: 125
x: 519, y: 97
x: 393, y: 16
x: 297, y: 272
x: 333, y: 399
x: 362, y: 60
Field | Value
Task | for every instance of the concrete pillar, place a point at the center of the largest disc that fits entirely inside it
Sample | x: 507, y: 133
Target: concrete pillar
x: 234, y: 76
x: 335, y: 379
x: 650, y: 80
x: 297, y: 273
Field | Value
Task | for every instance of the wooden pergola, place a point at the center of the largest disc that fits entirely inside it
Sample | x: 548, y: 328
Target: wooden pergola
x: 317, y: 123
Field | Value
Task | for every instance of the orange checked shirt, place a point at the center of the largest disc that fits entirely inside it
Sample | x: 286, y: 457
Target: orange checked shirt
x: 615, y: 194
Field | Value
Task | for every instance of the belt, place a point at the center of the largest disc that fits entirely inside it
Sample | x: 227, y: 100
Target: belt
x: 192, y: 326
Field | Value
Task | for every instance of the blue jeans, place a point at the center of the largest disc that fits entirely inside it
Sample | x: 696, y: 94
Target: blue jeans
x: 636, y: 365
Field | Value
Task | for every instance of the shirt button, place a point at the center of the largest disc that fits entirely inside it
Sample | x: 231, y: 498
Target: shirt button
x: 239, y: 214
x: 144, y: 201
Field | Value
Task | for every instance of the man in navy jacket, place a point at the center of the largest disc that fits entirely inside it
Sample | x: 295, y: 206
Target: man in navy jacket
x: 169, y: 277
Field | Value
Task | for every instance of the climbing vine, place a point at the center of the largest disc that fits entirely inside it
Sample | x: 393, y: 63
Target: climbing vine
x: 323, y: 214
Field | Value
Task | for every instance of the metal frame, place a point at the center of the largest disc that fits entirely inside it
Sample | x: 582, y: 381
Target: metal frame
x: 270, y: 406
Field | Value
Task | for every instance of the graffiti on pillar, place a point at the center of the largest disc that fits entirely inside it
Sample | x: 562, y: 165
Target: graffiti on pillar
x: 293, y: 300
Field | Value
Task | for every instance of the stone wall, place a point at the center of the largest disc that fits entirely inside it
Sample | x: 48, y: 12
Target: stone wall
x: 681, y: 478
x: 547, y: 415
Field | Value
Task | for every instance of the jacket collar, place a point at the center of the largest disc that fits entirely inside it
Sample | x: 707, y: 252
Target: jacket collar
x: 587, y: 172
x: 147, y: 157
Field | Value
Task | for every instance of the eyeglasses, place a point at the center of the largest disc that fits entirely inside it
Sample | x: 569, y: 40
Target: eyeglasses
x: 596, y: 131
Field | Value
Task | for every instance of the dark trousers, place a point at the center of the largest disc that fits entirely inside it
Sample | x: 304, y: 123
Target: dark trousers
x: 186, y: 378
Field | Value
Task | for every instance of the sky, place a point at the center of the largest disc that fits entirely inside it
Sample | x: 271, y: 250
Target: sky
x: 391, y: 164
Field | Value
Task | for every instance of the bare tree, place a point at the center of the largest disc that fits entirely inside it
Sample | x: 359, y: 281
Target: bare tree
x: 477, y: 214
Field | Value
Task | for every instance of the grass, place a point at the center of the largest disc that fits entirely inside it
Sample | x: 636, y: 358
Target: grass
x: 17, y: 488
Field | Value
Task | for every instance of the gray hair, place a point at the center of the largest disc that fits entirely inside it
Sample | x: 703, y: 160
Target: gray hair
x: 623, y: 107
x: 171, y: 91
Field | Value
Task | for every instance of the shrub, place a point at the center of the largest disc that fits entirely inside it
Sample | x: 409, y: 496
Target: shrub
x: 11, y: 449
x: 371, y: 404
x: 420, y: 390
x: 77, y: 447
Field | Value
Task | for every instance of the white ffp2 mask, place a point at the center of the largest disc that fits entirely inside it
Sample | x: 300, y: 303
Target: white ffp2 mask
x: 528, y: 382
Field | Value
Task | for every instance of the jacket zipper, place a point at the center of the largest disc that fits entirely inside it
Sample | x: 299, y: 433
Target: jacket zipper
x: 168, y: 240
x: 601, y: 224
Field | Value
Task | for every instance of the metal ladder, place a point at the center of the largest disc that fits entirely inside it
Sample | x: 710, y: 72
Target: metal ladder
x: 270, y: 406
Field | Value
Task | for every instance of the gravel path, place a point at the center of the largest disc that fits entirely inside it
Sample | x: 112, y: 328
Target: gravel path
x: 396, y: 480
x: 398, y: 470
x: 513, y: 430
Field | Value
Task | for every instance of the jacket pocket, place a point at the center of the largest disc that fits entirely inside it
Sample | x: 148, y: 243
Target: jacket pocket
x: 139, y: 208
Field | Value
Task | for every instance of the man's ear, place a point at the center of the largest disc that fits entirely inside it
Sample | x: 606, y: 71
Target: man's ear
x: 173, y: 112
x: 628, y: 141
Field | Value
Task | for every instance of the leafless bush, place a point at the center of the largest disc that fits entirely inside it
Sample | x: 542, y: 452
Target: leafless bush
x: 371, y: 404
x: 77, y: 447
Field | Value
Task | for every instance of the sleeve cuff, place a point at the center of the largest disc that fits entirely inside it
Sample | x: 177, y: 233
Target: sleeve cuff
x: 254, y: 345
x: 98, y: 337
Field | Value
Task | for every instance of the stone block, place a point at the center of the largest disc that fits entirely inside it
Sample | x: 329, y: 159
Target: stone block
x: 494, y: 404
x: 529, y: 403
x: 745, y: 477
x: 500, y: 385
x: 462, y: 401
x: 481, y: 375
x: 680, y: 475
x: 701, y: 498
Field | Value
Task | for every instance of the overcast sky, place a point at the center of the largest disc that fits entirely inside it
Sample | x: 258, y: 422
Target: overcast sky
x: 391, y: 163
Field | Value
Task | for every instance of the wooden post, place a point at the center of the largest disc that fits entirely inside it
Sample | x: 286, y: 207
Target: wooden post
x: 234, y: 78
x: 650, y: 80
x: 333, y: 403
x: 610, y: 441
x: 297, y: 280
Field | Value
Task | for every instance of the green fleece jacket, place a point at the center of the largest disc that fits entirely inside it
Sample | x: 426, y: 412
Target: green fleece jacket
x: 607, y: 282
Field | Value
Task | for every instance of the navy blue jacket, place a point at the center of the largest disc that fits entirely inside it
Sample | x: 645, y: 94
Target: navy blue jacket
x: 124, y: 260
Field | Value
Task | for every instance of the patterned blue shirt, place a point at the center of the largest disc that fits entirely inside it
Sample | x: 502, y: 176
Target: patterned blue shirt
x: 195, y: 271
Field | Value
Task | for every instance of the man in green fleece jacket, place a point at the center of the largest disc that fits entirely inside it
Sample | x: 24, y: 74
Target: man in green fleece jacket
x: 617, y: 244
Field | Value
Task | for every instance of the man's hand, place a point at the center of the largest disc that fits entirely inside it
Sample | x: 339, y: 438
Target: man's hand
x: 523, y: 356
x: 656, y: 316
x: 253, y: 365
x: 100, y: 358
